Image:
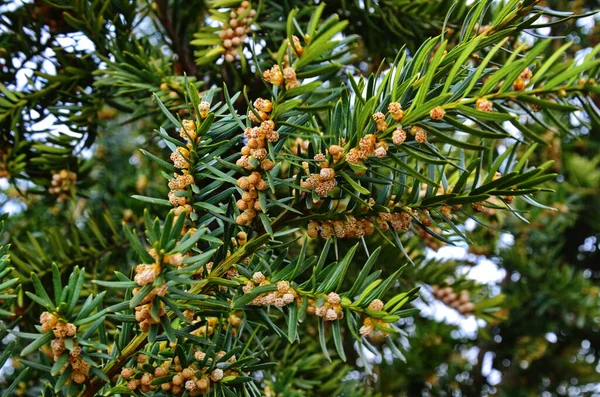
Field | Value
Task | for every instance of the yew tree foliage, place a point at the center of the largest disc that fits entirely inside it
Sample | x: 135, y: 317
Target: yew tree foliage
x: 284, y: 173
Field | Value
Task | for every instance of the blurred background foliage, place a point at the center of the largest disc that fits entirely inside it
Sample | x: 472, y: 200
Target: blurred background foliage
x: 76, y: 96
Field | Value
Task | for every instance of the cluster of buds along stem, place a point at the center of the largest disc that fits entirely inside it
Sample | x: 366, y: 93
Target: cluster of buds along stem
x: 235, y: 321
x: 64, y: 330
x: 289, y: 75
x: 249, y: 203
x: 353, y: 227
x: 273, y: 75
x: 369, y: 145
x: 240, y: 239
x: 370, y: 328
x: 180, y: 186
x: 254, y: 157
x: 234, y: 31
x: 262, y: 107
x: 177, y: 193
x: 284, y: 295
x: 188, y: 131
x: 330, y: 310
x: 144, y: 311
x: 522, y: 80
x: 180, y: 158
x: 461, y: 301
x: 478, y: 207
x: 254, y: 153
x: 399, y: 221
x: 446, y: 210
x: 425, y: 218
x: 419, y: 133
x: 193, y: 380
x: 63, y: 185
x: 146, y: 274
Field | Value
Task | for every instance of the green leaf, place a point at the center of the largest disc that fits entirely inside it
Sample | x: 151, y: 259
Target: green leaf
x: 541, y: 71
x: 546, y: 104
x: 428, y: 78
x: 209, y: 207
x: 153, y: 200
x: 139, y: 297
x: 468, y: 199
x: 337, y: 339
x: 266, y: 223
x: 116, y: 284
x: 18, y: 379
x: 189, y: 241
x: 334, y: 279
x: 365, y: 293
x: 167, y: 113
x: 302, y: 89
x: 137, y: 245
x: 458, y: 64
x: 569, y: 73
x: 480, y: 115
x: 37, y: 344
x: 76, y: 291
x: 59, y: 364
x: 354, y: 184
x: 167, y: 166
x: 452, y: 141
x: 411, y: 171
x: 41, y: 292
x: 321, y: 328
x: 292, y: 322
x: 166, y: 323
x: 56, y: 283
x: 364, y: 272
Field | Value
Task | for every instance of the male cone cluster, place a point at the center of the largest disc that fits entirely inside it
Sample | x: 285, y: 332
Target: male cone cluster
x: 146, y: 274
x: 254, y: 157
x: 353, y: 227
x: 180, y: 192
x: 63, y: 330
x: 330, y: 310
x: 323, y: 182
x: 235, y: 31
x: 369, y: 145
x: 249, y: 203
x: 195, y: 379
x: 283, y: 296
x: 62, y: 185
x: 461, y: 301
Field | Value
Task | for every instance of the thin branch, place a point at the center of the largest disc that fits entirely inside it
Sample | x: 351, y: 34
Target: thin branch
x: 180, y: 46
